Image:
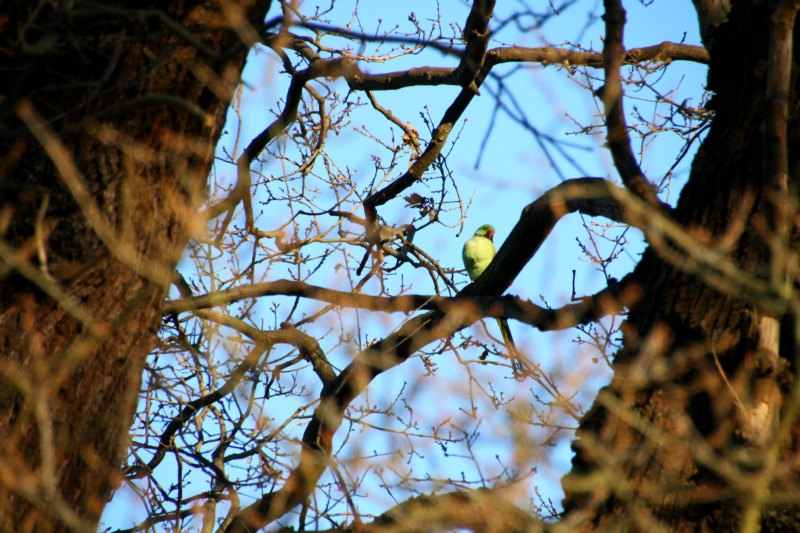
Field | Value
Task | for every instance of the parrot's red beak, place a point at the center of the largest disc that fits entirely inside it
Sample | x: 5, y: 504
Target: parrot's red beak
x: 490, y: 234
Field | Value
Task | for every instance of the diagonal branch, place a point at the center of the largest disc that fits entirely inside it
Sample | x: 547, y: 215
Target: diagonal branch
x: 471, y: 72
x: 590, y: 196
x: 619, y: 141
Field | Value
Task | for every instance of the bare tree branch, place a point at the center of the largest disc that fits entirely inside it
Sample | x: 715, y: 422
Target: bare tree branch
x: 265, y: 340
x: 241, y: 191
x: 618, y: 139
x: 588, y: 309
x: 662, y: 52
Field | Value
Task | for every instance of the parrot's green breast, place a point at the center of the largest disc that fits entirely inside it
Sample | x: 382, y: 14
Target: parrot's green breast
x: 477, y: 254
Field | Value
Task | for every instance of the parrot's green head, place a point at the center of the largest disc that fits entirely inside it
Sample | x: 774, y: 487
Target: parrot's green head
x: 487, y: 230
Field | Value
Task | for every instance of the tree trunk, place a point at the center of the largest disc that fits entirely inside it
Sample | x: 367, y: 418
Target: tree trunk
x: 134, y: 96
x: 698, y: 388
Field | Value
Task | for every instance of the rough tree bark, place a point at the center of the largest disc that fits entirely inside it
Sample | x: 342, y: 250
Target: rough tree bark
x: 700, y: 368
x: 133, y: 95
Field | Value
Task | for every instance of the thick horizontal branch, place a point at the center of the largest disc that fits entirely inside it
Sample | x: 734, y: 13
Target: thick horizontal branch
x: 609, y: 301
x: 613, y: 299
x: 285, y: 287
x: 418, y: 76
x: 663, y: 52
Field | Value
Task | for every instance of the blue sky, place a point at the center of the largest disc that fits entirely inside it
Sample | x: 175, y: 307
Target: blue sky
x: 513, y: 172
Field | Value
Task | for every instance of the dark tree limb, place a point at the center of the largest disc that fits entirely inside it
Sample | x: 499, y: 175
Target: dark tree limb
x: 619, y: 141
x: 471, y: 75
x: 389, y: 81
x: 590, y: 196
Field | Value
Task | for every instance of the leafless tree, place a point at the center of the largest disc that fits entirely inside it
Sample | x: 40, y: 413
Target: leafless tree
x: 240, y: 379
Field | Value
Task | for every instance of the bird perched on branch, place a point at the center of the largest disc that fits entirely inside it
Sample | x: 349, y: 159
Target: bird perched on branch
x: 477, y: 253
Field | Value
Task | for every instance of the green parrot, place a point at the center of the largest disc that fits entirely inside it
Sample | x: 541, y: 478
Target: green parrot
x: 477, y: 254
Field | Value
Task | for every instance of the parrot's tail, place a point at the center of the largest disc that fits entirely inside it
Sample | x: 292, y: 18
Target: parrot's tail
x: 516, y: 360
